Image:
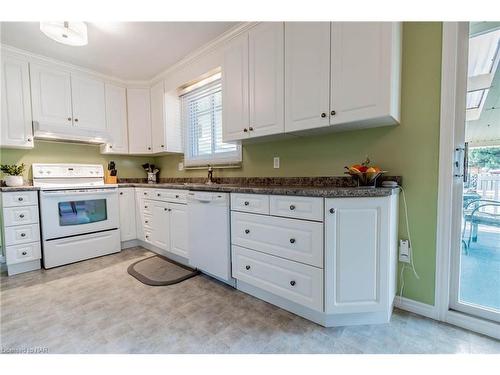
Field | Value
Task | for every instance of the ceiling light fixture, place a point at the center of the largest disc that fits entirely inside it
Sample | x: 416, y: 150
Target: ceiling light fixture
x: 70, y: 33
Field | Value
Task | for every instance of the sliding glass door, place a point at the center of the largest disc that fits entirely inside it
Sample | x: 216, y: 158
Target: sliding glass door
x: 475, y: 261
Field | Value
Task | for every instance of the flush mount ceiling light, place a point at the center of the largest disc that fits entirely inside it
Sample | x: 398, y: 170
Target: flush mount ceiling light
x: 70, y: 33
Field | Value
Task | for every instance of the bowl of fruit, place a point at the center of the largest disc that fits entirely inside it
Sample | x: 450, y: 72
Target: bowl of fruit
x: 364, y: 173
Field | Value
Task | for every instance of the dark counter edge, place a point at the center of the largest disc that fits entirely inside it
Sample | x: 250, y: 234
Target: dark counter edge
x: 325, y: 192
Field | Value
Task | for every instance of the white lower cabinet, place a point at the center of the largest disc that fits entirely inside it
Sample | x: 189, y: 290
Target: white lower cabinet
x: 294, y: 281
x: 126, y: 199
x: 161, y: 216
x: 360, y: 261
x: 20, y: 231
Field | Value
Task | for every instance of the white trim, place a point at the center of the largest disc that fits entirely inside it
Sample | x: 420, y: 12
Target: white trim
x: 416, y: 307
x: 471, y: 323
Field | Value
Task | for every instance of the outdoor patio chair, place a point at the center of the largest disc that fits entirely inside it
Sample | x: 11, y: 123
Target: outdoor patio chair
x: 474, y: 214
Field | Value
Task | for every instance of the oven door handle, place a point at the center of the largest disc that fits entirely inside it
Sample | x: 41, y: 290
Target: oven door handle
x: 48, y: 194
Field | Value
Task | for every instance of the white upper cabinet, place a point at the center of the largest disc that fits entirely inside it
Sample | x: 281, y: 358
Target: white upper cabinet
x: 235, y: 116
x: 173, y: 124
x: 139, y: 121
x: 89, y: 111
x: 307, y: 75
x: 365, y: 68
x: 116, y: 120
x: 158, y: 117
x: 51, y: 98
x: 266, y: 78
x: 16, y: 127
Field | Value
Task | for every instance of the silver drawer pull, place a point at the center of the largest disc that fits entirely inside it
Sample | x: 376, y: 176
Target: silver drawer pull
x: 292, y: 240
x: 24, y: 253
x: 247, y: 203
x: 247, y: 231
x: 21, y: 216
x: 292, y: 283
x: 23, y: 234
x: 292, y: 207
x: 247, y: 267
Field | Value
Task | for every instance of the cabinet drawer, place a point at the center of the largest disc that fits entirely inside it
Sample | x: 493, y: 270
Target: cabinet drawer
x: 167, y: 195
x: 20, y: 198
x: 20, y: 215
x: 145, y: 193
x: 23, y: 253
x: 22, y: 234
x: 146, y: 207
x: 147, y: 221
x: 297, y: 240
x: 294, y: 281
x: 297, y: 207
x: 256, y: 203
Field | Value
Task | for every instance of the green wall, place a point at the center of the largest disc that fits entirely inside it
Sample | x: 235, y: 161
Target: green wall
x: 56, y: 152
x: 409, y: 149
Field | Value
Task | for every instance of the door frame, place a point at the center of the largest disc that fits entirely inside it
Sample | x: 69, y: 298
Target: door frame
x: 453, y: 91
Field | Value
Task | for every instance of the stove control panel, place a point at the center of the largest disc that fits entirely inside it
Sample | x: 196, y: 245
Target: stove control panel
x: 67, y: 171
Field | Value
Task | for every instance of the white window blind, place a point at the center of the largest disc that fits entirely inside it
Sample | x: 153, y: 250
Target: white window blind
x: 202, y: 119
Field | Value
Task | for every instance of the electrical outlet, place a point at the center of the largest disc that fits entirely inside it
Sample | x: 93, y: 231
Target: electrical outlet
x: 180, y: 166
x: 276, y: 162
x: 404, y: 251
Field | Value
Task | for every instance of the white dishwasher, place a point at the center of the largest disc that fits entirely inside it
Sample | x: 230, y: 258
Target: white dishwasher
x: 209, y: 233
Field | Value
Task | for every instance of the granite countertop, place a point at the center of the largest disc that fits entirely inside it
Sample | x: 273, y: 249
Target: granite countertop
x: 308, y: 191
x: 326, y: 187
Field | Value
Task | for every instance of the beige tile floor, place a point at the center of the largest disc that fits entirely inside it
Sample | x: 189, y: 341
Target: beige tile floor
x: 96, y: 307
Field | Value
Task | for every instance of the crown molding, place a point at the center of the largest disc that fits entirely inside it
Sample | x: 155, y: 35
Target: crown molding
x: 205, y: 49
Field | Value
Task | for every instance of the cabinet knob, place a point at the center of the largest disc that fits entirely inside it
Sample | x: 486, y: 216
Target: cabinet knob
x: 146, y: 221
x: 158, y: 194
x: 250, y: 128
x: 121, y: 192
x: 24, y: 253
x: 69, y: 118
x: 20, y: 199
x: 333, y: 113
x: 110, y: 146
x: 247, y: 203
x: 292, y: 283
x: 29, y: 139
x: 292, y: 240
x: 323, y: 115
x: 247, y: 267
x: 292, y: 207
x: 149, y: 148
x: 170, y: 209
x: 23, y: 234
x: 177, y: 196
x: 21, y: 216
x: 165, y: 209
x: 162, y: 146
x: 245, y: 130
x: 332, y: 210
x: 247, y: 231
x: 76, y: 120
x: 147, y: 236
x: 145, y: 206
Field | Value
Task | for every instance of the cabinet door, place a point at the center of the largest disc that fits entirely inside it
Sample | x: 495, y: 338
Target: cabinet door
x: 356, y: 252
x: 235, y: 116
x: 51, y: 98
x: 16, y: 127
x: 173, y: 124
x: 127, y: 214
x: 139, y: 121
x: 307, y: 75
x: 179, y: 230
x: 266, y: 79
x: 116, y: 120
x: 158, y: 117
x: 361, y: 71
x: 160, y: 226
x: 89, y: 110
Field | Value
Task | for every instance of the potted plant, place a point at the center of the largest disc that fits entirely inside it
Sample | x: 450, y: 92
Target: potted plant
x: 14, y: 174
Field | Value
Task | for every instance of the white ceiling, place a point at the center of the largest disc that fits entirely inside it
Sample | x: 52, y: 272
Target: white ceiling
x: 127, y: 50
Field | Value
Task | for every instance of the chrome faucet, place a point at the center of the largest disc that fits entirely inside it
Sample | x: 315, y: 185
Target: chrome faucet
x: 210, y: 180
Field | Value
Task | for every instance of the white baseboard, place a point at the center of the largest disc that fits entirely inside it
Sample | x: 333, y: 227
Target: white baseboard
x: 416, y: 307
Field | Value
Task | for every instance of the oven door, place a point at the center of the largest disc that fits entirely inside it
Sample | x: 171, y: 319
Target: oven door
x: 73, y: 212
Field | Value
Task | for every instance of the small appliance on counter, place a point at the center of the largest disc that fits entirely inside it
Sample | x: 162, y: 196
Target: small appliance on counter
x: 153, y: 173
x: 110, y: 174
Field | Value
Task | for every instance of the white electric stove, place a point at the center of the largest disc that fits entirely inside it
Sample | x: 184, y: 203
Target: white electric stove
x: 79, y: 213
